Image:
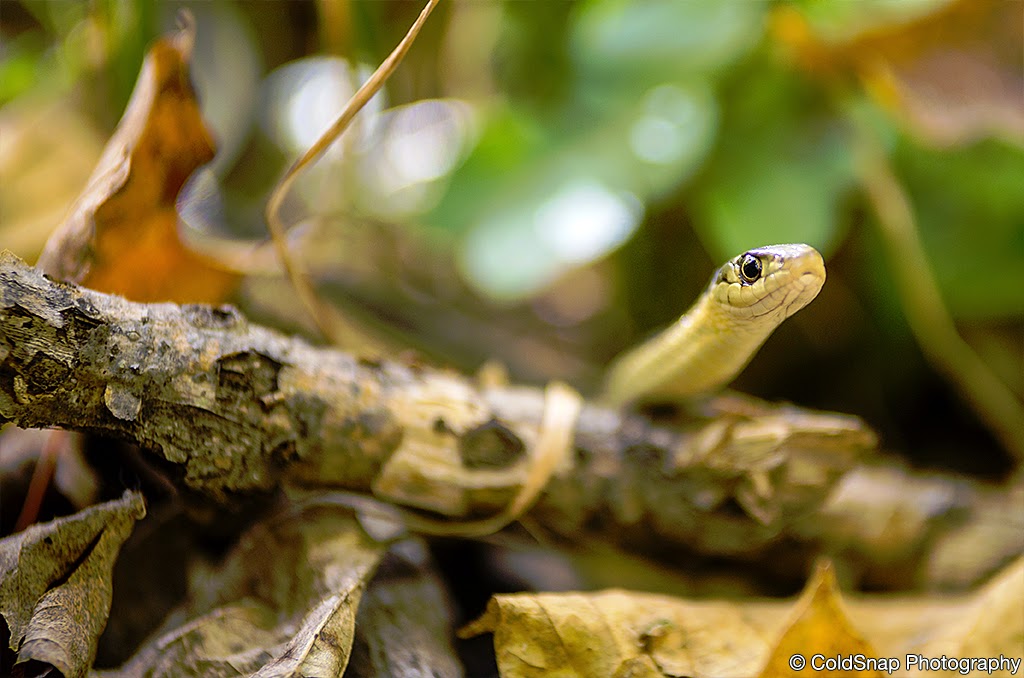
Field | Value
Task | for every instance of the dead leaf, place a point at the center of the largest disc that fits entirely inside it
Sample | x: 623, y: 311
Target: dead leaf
x: 122, y: 235
x: 282, y: 604
x: 404, y: 625
x: 55, y: 588
x: 994, y: 535
x: 988, y: 624
x: 953, y: 75
x: 820, y: 633
x: 992, y: 625
x: 621, y: 633
x: 614, y: 633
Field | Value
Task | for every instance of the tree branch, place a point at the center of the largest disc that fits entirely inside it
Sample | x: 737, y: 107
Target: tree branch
x: 243, y: 409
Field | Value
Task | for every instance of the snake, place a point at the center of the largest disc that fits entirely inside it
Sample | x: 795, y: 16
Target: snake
x: 704, y: 350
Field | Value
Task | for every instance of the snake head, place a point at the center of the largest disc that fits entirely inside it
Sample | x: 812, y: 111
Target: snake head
x: 769, y: 283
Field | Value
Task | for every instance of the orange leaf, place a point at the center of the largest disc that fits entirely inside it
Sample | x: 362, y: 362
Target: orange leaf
x: 122, y: 235
x: 953, y: 75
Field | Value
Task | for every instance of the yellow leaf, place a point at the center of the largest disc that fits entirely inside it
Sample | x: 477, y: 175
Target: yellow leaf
x: 618, y: 633
x: 821, y: 636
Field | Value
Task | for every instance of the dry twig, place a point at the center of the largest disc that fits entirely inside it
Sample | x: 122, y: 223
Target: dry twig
x: 242, y: 409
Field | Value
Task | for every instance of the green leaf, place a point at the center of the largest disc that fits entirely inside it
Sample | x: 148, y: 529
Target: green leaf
x: 640, y: 43
x: 970, y: 211
x: 533, y: 200
x: 780, y: 172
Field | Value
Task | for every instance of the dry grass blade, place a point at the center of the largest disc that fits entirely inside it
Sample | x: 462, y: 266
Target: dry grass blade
x: 922, y: 303
x: 327, y: 319
x: 562, y: 406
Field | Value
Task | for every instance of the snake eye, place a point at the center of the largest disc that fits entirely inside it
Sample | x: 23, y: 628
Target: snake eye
x: 750, y: 269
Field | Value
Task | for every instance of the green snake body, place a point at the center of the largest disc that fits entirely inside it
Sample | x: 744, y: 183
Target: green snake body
x: 707, y: 347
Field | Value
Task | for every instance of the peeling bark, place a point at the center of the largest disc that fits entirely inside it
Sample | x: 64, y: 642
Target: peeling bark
x: 243, y: 409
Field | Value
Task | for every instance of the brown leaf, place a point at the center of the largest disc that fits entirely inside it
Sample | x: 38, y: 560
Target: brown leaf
x: 282, y: 604
x: 122, y: 235
x: 55, y: 587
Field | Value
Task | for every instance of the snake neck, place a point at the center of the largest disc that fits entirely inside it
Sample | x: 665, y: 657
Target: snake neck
x: 698, y: 353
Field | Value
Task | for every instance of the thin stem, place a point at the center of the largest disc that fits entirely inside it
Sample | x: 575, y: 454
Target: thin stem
x: 926, y: 313
x: 330, y: 322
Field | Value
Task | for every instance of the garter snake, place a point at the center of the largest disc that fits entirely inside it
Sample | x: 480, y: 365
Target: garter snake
x: 706, y: 348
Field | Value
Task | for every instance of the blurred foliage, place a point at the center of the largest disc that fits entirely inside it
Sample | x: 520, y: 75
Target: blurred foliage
x: 971, y: 209
x: 592, y: 162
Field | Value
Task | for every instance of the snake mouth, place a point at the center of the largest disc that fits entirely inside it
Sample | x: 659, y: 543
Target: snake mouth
x: 810, y: 284
x: 808, y: 279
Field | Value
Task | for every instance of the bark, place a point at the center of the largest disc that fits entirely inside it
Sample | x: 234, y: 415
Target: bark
x: 242, y: 409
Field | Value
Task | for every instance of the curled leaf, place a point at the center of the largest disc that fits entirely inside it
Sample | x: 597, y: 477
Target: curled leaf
x: 122, y: 235
x: 282, y: 604
x: 55, y: 583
